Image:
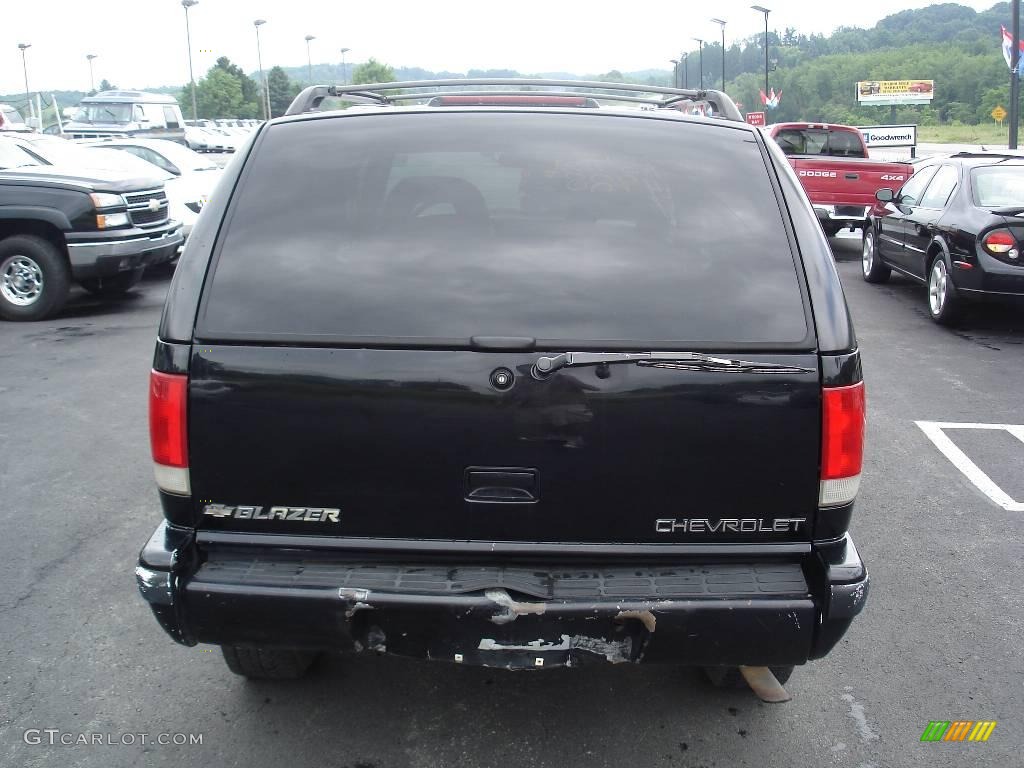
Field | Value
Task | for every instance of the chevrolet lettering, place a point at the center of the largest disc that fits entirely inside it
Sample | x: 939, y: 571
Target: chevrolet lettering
x: 732, y: 525
x: 477, y: 356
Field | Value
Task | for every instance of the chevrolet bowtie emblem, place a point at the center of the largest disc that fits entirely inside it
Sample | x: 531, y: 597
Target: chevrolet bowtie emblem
x: 154, y: 204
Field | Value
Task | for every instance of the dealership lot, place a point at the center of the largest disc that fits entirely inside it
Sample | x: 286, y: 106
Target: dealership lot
x: 940, y: 639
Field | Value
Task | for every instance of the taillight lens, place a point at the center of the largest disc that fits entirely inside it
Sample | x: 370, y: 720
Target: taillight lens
x: 842, y: 443
x: 168, y: 430
x: 999, y: 241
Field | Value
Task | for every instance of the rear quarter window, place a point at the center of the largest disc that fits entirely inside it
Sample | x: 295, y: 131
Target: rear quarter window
x: 435, y: 227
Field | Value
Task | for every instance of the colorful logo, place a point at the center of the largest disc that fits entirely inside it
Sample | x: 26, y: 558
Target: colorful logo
x: 958, y: 730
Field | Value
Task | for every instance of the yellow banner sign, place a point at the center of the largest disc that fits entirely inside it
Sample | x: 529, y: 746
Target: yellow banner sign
x: 887, y: 92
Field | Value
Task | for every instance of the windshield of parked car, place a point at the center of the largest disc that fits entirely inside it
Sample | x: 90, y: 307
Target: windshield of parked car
x: 819, y: 141
x: 57, y: 151
x: 104, y: 113
x: 559, y: 227
x: 998, y: 186
x: 181, y: 156
x: 13, y: 156
x: 12, y: 116
x: 111, y: 159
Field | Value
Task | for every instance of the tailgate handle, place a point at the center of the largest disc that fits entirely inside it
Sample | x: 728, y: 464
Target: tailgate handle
x: 501, y: 485
x: 852, y: 176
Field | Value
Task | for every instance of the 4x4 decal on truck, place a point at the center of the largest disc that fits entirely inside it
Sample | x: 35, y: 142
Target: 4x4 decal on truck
x: 303, y: 514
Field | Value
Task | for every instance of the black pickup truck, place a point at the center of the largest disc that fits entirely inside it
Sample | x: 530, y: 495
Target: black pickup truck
x: 62, y: 225
x: 522, y: 386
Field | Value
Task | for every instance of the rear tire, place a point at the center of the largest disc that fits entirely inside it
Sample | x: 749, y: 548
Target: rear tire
x: 872, y: 268
x: 267, y: 663
x: 115, y: 285
x: 34, y: 278
x: 944, y: 304
x: 731, y: 678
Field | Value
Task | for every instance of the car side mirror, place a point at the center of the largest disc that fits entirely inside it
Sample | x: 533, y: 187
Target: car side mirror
x: 885, y: 195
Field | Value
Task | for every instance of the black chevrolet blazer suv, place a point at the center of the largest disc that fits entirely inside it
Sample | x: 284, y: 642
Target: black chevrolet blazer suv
x: 524, y: 386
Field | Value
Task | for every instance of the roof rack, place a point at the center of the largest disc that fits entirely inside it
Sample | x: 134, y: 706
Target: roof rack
x: 983, y: 152
x: 385, y: 94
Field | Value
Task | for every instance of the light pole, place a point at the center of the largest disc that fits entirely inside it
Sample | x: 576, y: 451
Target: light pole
x: 765, y: 11
x: 1014, y: 76
x: 186, y: 4
x: 24, y: 67
x: 675, y: 72
x: 265, y: 95
x: 686, y: 74
x: 92, y: 80
x: 309, y: 61
x: 700, y: 46
x: 721, y: 23
x: 344, y: 66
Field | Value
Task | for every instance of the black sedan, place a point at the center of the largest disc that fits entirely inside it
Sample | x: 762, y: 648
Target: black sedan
x: 957, y: 225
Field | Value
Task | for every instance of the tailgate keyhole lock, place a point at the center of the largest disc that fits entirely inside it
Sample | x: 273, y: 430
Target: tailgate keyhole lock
x: 502, y: 379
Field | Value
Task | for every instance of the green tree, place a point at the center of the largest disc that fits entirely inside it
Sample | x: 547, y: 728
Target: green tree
x: 373, y: 71
x: 219, y: 94
x: 282, y: 91
x: 252, y: 105
x: 105, y: 85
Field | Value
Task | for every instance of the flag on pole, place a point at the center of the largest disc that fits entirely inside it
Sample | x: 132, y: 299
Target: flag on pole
x: 1008, y: 47
x: 771, y: 99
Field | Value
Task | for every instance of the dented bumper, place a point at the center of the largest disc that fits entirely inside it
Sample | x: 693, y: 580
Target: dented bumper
x: 724, y: 611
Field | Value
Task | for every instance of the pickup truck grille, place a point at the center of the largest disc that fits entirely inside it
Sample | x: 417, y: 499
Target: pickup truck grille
x: 140, y: 207
x: 136, y: 198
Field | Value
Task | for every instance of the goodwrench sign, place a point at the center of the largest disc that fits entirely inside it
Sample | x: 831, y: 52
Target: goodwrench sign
x: 889, y: 135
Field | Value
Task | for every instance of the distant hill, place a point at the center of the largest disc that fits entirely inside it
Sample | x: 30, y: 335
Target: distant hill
x: 331, y: 74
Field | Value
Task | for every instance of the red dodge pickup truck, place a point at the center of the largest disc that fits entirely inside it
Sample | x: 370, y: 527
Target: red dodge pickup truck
x: 833, y: 166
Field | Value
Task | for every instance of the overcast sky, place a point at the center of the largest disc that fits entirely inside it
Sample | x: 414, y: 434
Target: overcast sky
x: 142, y: 42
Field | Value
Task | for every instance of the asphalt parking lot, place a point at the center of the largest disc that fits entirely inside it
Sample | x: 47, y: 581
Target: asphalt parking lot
x: 940, y: 638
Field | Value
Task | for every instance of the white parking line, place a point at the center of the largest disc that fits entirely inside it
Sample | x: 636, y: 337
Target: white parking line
x: 935, y: 432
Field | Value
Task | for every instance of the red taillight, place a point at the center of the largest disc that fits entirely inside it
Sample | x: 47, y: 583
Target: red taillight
x: 999, y: 241
x: 842, y: 443
x: 168, y: 430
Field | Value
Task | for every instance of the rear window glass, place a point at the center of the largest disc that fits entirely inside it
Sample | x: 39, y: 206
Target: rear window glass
x: 551, y: 226
x: 818, y: 141
x: 998, y: 186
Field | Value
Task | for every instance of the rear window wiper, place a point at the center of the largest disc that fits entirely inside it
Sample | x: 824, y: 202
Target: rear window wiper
x: 1010, y: 210
x: 681, y: 361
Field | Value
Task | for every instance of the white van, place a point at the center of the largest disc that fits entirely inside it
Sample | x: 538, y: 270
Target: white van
x: 127, y: 113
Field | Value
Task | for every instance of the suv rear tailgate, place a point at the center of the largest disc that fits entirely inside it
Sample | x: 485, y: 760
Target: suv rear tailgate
x: 376, y: 274
x: 407, y: 443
